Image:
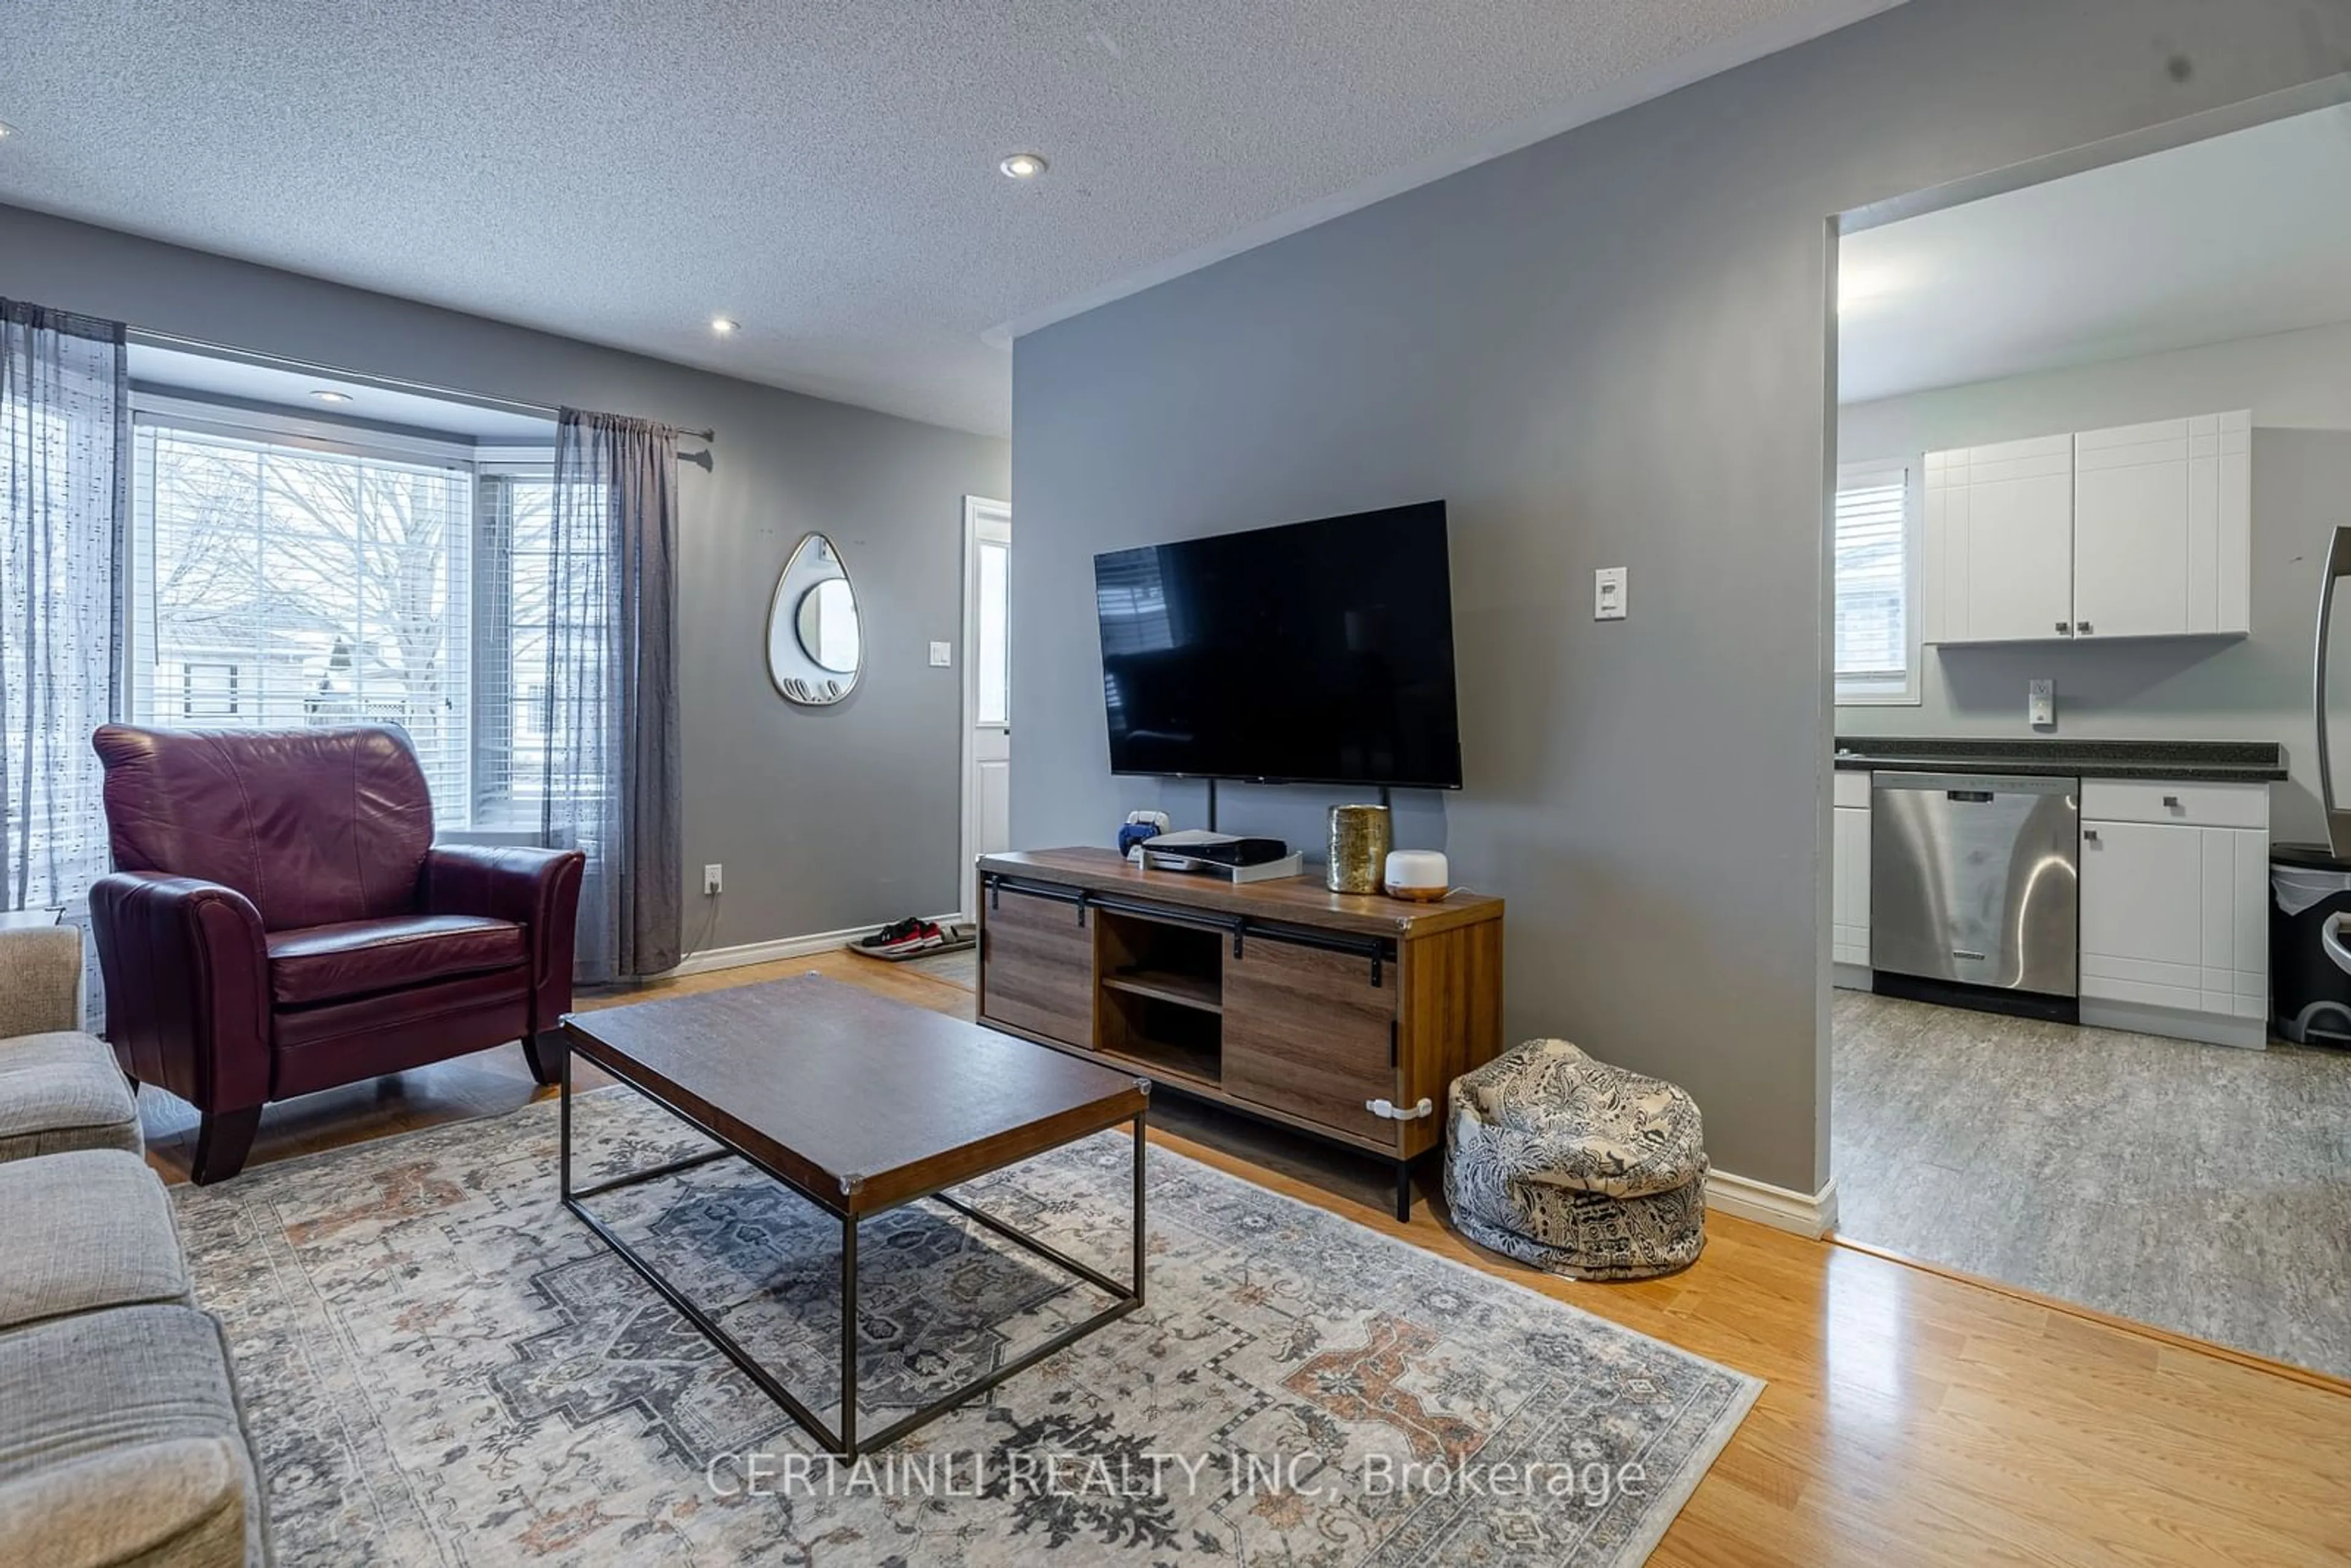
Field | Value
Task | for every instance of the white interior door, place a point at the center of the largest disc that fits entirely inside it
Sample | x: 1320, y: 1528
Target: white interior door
x: 987, y: 687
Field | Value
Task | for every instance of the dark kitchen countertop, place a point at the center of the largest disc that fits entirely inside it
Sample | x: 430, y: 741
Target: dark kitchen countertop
x: 2189, y: 761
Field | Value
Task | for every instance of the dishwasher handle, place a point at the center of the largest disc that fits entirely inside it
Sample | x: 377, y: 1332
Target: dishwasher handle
x: 1974, y: 788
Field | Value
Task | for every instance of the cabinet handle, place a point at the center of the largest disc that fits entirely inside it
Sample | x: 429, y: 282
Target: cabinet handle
x: 2089, y: 835
x: 2172, y: 801
x: 2063, y: 630
x: 1394, y: 1113
x: 2083, y: 627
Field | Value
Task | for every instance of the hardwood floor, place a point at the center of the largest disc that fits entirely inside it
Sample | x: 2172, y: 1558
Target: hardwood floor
x: 1911, y: 1417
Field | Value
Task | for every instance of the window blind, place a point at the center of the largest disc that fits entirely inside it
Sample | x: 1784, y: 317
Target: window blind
x: 279, y: 586
x: 513, y: 569
x: 1872, y: 578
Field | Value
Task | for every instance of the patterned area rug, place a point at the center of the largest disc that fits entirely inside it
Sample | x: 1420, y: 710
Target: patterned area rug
x: 442, y: 1366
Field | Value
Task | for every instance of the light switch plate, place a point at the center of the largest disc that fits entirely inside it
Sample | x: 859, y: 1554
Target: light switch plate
x: 2040, y: 704
x: 942, y: 655
x: 1608, y: 593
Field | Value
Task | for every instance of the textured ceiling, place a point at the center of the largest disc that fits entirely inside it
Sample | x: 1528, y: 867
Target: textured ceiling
x: 2232, y: 238
x: 825, y: 171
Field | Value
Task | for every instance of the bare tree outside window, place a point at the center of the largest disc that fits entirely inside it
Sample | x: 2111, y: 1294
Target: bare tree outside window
x: 321, y: 588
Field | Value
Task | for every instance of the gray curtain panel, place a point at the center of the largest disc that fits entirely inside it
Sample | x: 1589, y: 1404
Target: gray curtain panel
x: 613, y: 772
x: 65, y: 441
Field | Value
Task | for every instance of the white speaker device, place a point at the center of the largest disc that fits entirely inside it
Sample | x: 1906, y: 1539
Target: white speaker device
x: 1420, y: 875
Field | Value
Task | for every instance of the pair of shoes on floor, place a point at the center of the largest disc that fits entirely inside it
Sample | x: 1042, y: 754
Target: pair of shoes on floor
x: 911, y: 934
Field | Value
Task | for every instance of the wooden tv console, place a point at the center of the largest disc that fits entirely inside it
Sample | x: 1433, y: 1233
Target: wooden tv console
x: 1343, y: 1015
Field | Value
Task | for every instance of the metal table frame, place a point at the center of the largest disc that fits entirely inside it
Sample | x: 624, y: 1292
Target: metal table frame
x: 845, y: 1443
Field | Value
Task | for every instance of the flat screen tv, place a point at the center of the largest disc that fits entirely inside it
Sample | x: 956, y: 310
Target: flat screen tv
x: 1316, y: 652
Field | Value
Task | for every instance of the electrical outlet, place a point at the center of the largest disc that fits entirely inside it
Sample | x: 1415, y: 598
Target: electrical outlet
x: 2040, y: 704
x: 713, y: 878
x: 942, y: 655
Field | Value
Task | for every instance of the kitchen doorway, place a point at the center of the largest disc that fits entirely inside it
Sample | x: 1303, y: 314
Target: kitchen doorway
x: 2092, y: 442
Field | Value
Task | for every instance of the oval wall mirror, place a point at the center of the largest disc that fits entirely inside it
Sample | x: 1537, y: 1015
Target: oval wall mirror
x: 815, y: 646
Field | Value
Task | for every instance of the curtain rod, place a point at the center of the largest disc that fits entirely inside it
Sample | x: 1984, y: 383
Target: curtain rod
x: 389, y: 383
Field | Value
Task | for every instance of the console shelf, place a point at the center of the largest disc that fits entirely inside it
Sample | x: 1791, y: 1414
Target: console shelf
x: 1193, y: 1067
x: 1166, y: 986
x: 1278, y: 999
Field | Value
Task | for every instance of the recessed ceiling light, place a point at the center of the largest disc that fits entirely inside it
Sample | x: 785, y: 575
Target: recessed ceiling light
x: 724, y: 325
x: 325, y: 395
x: 6, y: 131
x: 1022, y: 166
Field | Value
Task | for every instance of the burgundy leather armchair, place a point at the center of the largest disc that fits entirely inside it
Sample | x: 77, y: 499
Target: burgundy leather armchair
x: 279, y: 921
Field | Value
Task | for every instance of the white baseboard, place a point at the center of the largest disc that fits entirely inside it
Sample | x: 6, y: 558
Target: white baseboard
x: 1805, y: 1214
x: 736, y: 957
x: 1847, y: 977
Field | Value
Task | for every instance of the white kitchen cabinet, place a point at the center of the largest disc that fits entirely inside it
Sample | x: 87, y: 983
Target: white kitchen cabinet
x: 2142, y: 530
x: 2163, y: 527
x: 2000, y: 541
x: 2175, y: 910
x: 1849, y: 883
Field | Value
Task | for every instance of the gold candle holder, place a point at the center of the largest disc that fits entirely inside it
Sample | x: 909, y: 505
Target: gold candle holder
x: 1360, y: 837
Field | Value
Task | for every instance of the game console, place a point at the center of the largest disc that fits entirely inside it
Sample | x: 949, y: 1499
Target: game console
x: 1234, y: 858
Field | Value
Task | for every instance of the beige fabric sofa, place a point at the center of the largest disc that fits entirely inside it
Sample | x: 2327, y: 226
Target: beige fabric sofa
x: 122, y: 1441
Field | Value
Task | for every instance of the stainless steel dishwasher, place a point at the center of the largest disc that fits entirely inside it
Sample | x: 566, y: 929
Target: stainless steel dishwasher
x: 1972, y: 881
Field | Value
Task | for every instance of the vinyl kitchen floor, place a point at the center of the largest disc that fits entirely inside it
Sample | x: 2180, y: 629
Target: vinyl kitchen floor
x: 2197, y: 1188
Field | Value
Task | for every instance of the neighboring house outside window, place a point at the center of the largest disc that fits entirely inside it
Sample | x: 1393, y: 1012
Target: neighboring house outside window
x: 1874, y: 618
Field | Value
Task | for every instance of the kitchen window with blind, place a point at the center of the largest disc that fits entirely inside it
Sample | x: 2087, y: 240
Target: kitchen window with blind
x: 1874, y: 552
x: 286, y: 573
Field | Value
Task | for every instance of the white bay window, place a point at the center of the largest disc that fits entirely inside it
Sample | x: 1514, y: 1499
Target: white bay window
x: 290, y: 573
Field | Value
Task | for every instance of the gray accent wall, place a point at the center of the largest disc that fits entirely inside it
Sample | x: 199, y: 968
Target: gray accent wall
x: 2298, y: 385
x: 824, y: 819
x: 1609, y: 349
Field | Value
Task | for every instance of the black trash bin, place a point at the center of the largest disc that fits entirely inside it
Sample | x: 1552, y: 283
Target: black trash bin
x: 2310, y: 997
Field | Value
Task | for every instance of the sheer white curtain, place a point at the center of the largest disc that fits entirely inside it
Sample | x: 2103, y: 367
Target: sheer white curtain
x: 612, y: 769
x: 64, y: 474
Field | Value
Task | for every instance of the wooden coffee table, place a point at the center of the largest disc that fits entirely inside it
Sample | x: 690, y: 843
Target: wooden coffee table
x: 859, y: 1105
